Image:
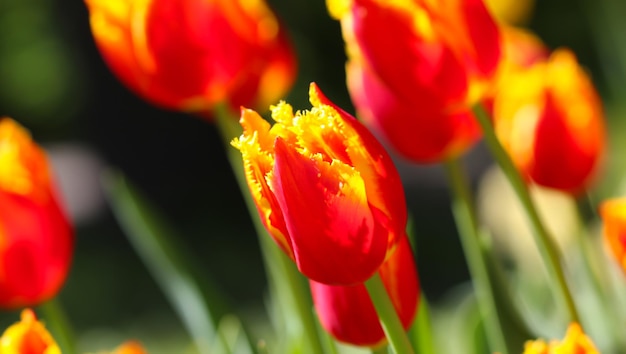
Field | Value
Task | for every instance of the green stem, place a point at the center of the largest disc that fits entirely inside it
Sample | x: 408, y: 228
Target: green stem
x: 588, y: 254
x: 545, y: 244
x: 464, y: 213
x: 281, y: 270
x: 388, y: 316
x: 59, y: 325
x: 421, y: 332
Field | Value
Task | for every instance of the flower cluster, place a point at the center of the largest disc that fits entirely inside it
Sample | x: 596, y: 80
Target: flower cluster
x: 431, y: 78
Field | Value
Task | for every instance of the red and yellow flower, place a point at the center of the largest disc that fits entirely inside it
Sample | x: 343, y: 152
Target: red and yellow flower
x: 575, y: 342
x: 347, y: 312
x: 549, y: 118
x: 190, y: 55
x: 325, y: 188
x: 36, y: 240
x: 415, y: 68
x: 613, y: 213
x: 28, y: 336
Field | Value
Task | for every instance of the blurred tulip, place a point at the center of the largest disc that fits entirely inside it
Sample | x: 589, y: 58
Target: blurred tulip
x: 36, y: 240
x: 575, y: 342
x: 347, y: 312
x: 28, y: 336
x: 416, y: 67
x: 130, y: 347
x: 325, y: 189
x: 549, y: 118
x: 521, y: 49
x: 190, y: 55
x: 613, y: 213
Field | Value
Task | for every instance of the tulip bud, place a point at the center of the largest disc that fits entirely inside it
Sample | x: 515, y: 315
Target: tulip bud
x: 28, y: 336
x: 325, y: 189
x: 36, y: 240
x: 191, y: 55
x: 415, y: 68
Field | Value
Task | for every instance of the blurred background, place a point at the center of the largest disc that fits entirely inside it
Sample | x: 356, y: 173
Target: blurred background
x: 53, y: 81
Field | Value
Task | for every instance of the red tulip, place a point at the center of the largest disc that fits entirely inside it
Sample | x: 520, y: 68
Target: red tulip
x: 190, y: 55
x: 36, y: 240
x: 325, y: 189
x: 549, y: 118
x: 347, y: 312
x: 416, y: 67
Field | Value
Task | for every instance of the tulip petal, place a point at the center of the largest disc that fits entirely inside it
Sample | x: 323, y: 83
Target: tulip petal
x: 431, y: 75
x: 334, y: 236
x: 417, y: 133
x: 347, y: 311
x: 382, y: 182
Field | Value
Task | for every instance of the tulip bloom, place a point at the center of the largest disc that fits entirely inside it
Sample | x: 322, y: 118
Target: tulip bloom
x: 36, y: 240
x: 549, y: 118
x: 190, y: 55
x: 325, y: 188
x: 613, y: 213
x: 416, y: 67
x: 28, y: 336
x: 575, y: 342
x: 130, y: 347
x: 347, y: 312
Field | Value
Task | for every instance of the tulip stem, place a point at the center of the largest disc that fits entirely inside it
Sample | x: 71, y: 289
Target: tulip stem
x: 388, y: 316
x: 59, y: 325
x: 466, y: 220
x: 544, y: 241
x: 282, y: 273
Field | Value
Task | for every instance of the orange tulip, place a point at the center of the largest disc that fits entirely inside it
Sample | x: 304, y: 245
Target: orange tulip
x: 415, y: 68
x: 28, y: 336
x: 613, y: 213
x: 36, y: 240
x: 325, y: 189
x: 347, y: 312
x: 190, y: 55
x: 575, y: 342
x: 549, y: 118
x: 130, y: 347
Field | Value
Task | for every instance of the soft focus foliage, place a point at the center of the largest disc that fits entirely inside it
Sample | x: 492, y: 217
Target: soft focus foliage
x: 191, y: 55
x: 340, y: 227
x: 347, y: 312
x: 415, y: 68
x: 36, y: 240
x: 28, y: 336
